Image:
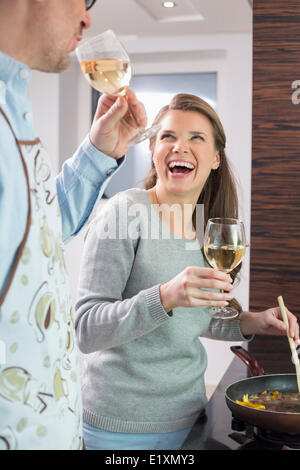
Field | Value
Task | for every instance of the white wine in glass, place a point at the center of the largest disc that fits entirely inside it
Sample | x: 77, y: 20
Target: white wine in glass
x: 224, y: 249
x: 225, y: 257
x: 111, y: 76
x: 106, y: 66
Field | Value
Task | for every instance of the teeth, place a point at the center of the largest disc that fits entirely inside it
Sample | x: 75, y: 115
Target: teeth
x: 182, y: 164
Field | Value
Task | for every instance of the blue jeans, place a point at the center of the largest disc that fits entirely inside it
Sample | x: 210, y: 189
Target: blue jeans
x: 98, y: 439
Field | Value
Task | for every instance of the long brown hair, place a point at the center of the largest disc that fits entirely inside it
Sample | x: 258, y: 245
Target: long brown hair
x: 219, y: 195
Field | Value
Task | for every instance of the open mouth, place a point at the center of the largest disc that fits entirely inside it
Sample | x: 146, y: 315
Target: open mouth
x: 180, y: 167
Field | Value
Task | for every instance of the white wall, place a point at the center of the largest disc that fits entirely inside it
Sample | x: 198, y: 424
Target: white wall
x: 44, y: 95
x: 62, y: 109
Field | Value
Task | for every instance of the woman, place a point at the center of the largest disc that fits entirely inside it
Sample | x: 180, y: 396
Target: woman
x: 145, y: 291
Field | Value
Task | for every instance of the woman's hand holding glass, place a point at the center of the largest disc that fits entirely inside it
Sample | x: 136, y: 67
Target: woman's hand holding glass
x: 188, y: 289
x: 224, y: 248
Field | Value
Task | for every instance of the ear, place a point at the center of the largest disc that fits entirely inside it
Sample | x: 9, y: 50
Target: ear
x: 217, y: 161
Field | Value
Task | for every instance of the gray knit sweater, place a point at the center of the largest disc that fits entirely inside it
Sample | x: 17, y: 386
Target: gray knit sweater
x: 143, y: 369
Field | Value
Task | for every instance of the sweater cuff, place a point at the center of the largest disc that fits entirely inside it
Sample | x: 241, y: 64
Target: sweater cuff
x: 154, y: 304
x: 236, y: 329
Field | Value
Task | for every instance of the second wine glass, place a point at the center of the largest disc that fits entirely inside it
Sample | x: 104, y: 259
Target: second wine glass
x: 224, y: 249
x: 106, y: 66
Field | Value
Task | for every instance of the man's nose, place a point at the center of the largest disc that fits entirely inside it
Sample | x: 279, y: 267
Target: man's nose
x: 87, y: 21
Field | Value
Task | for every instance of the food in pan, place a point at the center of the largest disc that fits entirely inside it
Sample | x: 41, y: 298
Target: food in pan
x: 272, y: 401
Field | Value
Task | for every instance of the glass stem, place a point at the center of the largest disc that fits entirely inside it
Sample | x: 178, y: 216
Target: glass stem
x: 139, y: 128
x: 222, y: 292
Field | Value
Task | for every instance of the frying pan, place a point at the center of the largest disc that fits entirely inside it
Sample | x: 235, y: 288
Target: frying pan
x: 280, y: 422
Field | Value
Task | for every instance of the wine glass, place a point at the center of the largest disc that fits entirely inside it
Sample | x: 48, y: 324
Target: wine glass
x: 224, y: 248
x: 106, y: 66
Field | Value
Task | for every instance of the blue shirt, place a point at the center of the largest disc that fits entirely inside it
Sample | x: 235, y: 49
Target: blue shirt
x: 82, y: 181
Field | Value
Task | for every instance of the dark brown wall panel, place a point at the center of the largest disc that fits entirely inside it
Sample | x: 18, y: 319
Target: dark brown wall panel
x: 275, y: 201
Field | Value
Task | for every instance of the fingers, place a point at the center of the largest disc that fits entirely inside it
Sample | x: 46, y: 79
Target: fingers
x: 196, y: 280
x: 207, y: 303
x: 203, y: 283
x: 209, y: 273
x: 114, y: 110
x: 294, y: 326
x: 278, y: 323
x: 137, y: 108
x: 105, y: 102
x: 209, y: 278
x: 212, y: 298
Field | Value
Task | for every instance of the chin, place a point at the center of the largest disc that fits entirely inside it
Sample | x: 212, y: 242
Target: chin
x: 185, y: 190
x: 54, y: 64
x: 180, y: 188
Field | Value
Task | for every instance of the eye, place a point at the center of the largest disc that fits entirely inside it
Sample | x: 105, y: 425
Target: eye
x: 198, y: 137
x: 166, y: 135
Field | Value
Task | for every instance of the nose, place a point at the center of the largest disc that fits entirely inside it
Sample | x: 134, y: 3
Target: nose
x: 86, y: 23
x: 180, y: 146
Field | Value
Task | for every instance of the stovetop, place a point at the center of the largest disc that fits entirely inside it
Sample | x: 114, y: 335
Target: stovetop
x: 216, y: 429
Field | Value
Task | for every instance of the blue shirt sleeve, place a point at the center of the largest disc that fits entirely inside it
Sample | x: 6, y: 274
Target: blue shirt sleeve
x: 81, y: 184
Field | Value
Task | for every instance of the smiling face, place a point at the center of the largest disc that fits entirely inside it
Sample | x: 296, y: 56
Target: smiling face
x: 184, y: 153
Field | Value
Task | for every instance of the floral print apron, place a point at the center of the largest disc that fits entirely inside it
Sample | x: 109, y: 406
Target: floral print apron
x: 40, y: 396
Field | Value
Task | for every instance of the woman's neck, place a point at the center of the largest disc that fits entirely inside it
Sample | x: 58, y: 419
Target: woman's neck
x: 175, y: 211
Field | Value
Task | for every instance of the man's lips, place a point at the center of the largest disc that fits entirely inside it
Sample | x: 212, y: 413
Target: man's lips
x: 75, y: 42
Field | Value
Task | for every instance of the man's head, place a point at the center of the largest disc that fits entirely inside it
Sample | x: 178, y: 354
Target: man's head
x: 46, y: 31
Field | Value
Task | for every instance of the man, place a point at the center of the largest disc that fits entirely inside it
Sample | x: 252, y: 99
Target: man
x: 40, y: 398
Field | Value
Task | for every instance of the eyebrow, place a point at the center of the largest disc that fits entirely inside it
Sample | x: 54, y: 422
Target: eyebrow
x: 191, y: 132
x: 198, y: 132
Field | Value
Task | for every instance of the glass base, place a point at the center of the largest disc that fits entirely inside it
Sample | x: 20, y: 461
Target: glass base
x: 146, y: 133
x: 225, y: 313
